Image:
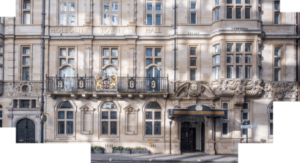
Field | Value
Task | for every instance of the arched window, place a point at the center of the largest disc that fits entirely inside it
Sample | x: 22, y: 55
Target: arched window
x: 67, y: 72
x: 109, y: 117
x: 65, y: 117
x: 153, y: 85
x: 1, y: 115
x: 153, y: 119
x: 271, y: 119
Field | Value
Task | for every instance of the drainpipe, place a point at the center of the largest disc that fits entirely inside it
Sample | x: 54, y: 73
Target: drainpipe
x: 43, y: 68
x: 170, y: 135
x: 215, y: 135
x: 175, y: 6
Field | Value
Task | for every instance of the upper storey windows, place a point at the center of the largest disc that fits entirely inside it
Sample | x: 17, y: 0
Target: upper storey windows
x: 276, y: 12
x: 26, y: 12
x: 110, y: 13
x: 238, y: 9
x: 67, y: 12
x: 154, y: 12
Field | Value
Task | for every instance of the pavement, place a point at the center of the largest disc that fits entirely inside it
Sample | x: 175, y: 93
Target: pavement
x: 164, y: 158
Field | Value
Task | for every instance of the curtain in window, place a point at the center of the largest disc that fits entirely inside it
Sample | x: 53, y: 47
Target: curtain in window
x: 26, y: 17
x: 216, y: 2
x: 71, y: 19
x: 106, y: 6
x: 114, y: 19
x: 71, y: 6
x: 217, y: 14
x: 149, y: 19
x: 63, y: 19
x: 63, y: 6
x: 115, y: 6
x: 158, y: 19
x: 216, y: 72
x: 105, y: 19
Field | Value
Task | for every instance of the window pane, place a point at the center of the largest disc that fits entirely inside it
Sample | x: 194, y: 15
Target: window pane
x: 105, y: 62
x: 193, y: 17
x: 216, y: 2
x: 63, y: 19
x: 104, y: 127
x: 216, y: 59
x: 217, y: 48
x: 247, y: 13
x: 71, y: 6
x: 26, y: 4
x: 277, y: 62
x: 33, y: 104
x: 229, y: 47
x: 71, y: 52
x: 192, y: 51
x: 109, y: 105
x: 148, y: 128
x: 238, y: 13
x: 225, y: 105
x: 247, y: 58
x: 63, y: 52
x: 25, y: 60
x: 277, y: 51
x: 277, y: 74
x: 247, y: 1
x: 115, y: 62
x: 248, y: 47
x: 70, y: 127
x: 61, y: 127
x: 157, y: 128
x: 106, y: 52
x: 157, y: 52
x: 115, y: 6
x: 216, y: 14
x: 247, y: 72
x: 276, y: 6
x: 225, y: 129
x: 229, y: 71
x: 71, y: 19
x: 113, y: 128
x: 106, y: 6
x: 238, y: 1
x: 69, y: 115
x: 229, y: 1
x: 238, y: 48
x: 238, y: 59
x: 63, y: 61
x: 104, y: 115
x: 61, y: 115
x: 245, y: 116
x: 148, y: 115
x: 63, y: 6
x: 216, y: 72
x: 148, y: 62
x: 245, y: 105
x: 229, y: 13
x: 229, y: 59
x: 149, y: 19
x: 105, y: 19
x: 157, y: 115
x: 158, y: 7
x: 26, y: 50
x: 149, y: 6
x: 25, y: 73
x: 148, y: 52
x: 238, y: 71
x: 113, y: 115
x: 71, y: 61
x: 0, y: 114
x: 158, y: 19
x: 114, y: 19
x: 26, y: 18
x: 276, y: 18
x: 271, y: 128
x: 158, y: 62
x: 193, y: 74
x: 245, y: 131
x: 114, y: 52
x: 271, y: 116
x: 192, y: 61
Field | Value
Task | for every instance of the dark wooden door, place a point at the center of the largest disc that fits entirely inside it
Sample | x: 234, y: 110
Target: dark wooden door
x: 202, y: 137
x: 25, y: 131
x: 188, y: 137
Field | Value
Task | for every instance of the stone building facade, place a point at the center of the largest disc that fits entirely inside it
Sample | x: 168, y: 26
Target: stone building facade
x: 110, y: 76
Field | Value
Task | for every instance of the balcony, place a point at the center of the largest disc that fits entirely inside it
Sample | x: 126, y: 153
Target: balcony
x: 106, y: 85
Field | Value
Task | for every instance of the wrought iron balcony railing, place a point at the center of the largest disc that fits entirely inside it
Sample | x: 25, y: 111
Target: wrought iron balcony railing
x: 107, y: 84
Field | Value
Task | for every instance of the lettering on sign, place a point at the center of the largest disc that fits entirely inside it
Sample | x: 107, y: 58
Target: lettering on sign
x: 240, y: 29
x: 66, y: 30
x: 153, y: 30
x: 110, y: 30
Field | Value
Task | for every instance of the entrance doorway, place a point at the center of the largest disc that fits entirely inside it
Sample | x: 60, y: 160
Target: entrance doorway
x: 25, y: 131
x: 192, y: 137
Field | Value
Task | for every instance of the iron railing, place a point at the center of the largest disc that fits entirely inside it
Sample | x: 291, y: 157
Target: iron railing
x: 124, y: 84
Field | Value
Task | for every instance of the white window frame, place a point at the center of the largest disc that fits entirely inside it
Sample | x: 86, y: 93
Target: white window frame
x: 67, y: 13
x: 65, y: 120
x: 110, y: 13
x: 154, y: 12
x: 109, y: 120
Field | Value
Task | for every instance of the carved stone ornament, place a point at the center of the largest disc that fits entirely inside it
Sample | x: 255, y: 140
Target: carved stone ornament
x: 280, y: 90
x: 13, y: 90
x: 176, y: 104
x: 189, y: 89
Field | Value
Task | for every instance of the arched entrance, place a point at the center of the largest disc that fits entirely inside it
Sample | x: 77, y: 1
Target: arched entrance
x: 25, y: 131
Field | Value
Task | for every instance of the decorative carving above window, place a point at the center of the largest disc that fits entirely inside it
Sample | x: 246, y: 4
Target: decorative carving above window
x: 33, y: 89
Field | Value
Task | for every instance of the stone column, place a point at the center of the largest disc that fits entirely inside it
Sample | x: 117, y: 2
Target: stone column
x: 209, y: 139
